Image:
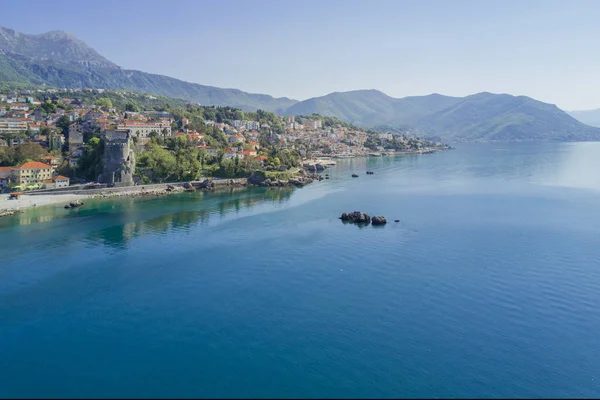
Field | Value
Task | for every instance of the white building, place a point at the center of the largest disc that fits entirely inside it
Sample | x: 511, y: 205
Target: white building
x: 142, y: 129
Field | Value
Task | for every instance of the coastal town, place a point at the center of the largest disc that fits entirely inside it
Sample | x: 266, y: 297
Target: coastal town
x: 53, y: 138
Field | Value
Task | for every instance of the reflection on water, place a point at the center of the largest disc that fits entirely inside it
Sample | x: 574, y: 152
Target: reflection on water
x: 579, y: 166
x: 184, y: 212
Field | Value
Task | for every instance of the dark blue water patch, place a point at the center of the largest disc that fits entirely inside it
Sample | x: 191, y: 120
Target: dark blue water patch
x: 488, y: 287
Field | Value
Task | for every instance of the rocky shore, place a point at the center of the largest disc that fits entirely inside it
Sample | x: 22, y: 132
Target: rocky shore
x: 302, y: 179
x: 6, y: 213
x: 10, y: 207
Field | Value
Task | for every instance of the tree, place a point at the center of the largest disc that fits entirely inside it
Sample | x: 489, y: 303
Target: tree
x: 157, y: 163
x: 63, y: 123
x: 29, y: 152
x: 49, y: 107
x: 228, y: 168
x: 90, y: 164
x: 104, y: 102
x: 131, y: 107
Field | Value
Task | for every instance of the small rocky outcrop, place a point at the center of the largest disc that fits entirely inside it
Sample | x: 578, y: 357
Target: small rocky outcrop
x: 257, y: 178
x: 319, y: 167
x: 378, y: 220
x: 356, y: 217
x: 7, y: 213
x: 188, y: 187
x: 354, y: 176
x: 206, y: 184
x: 370, y: 172
x: 74, y: 204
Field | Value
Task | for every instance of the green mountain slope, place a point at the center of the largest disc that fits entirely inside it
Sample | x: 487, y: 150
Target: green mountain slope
x: 483, y: 116
x: 59, y: 59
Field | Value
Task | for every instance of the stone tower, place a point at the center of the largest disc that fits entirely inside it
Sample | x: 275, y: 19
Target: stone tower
x: 119, y: 159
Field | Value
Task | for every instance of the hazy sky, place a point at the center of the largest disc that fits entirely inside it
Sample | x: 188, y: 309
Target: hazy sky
x: 546, y: 49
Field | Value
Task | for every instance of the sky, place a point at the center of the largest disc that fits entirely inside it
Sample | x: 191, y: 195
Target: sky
x: 545, y: 49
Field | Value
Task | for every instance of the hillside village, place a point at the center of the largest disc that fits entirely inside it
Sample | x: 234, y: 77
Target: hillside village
x: 51, y: 138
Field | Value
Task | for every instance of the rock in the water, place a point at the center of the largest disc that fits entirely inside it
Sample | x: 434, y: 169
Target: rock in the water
x: 378, y: 220
x: 354, y: 176
x: 6, y: 213
x: 187, y: 185
x: 356, y: 217
x: 75, y: 204
x: 396, y: 220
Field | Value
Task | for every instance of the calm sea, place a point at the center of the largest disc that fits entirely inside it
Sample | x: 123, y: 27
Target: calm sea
x: 488, y: 286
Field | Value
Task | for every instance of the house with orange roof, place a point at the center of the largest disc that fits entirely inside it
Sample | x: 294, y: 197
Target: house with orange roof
x: 3, y: 143
x: 56, y: 182
x: 34, y: 127
x: 33, y: 172
x: 249, y: 153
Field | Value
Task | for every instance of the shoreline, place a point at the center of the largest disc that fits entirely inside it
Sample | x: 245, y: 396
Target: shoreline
x: 300, y: 179
x: 28, y: 201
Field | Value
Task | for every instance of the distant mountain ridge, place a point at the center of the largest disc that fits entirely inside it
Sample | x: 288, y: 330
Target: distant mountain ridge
x: 588, y: 117
x: 60, y: 59
x: 482, y: 116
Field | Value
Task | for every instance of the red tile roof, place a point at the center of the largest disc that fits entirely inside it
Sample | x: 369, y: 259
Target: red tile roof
x: 34, y: 165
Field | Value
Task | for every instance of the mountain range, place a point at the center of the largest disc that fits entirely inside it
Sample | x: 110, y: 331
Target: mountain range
x: 589, y: 117
x: 60, y: 59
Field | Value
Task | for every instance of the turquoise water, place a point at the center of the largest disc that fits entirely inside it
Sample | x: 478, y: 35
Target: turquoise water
x: 489, y: 286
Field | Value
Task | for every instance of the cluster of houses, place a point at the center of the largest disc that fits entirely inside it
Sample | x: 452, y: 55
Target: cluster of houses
x: 21, y: 112
x: 33, y: 175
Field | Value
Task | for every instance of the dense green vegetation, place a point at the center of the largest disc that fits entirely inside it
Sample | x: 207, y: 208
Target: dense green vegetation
x: 177, y: 159
x: 398, y: 143
x: 90, y: 164
x: 17, y: 155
